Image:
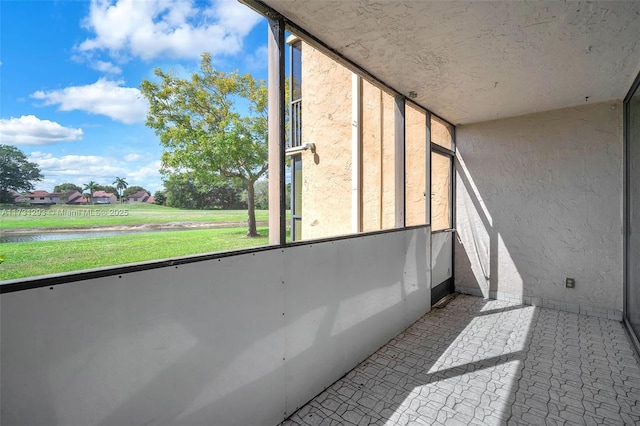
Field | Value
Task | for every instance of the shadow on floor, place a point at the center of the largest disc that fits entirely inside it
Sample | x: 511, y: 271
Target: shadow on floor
x: 480, y: 361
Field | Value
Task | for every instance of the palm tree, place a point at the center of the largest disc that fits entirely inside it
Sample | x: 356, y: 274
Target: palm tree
x: 91, y: 187
x: 121, y: 185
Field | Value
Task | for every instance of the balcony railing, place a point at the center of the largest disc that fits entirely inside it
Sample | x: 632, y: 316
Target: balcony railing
x: 295, y: 132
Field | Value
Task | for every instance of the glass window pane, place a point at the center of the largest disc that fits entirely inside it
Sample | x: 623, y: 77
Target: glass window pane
x: 325, y: 189
x: 153, y: 162
x: 441, y: 133
x: 378, y: 158
x: 296, y: 70
x: 297, y: 185
x: 633, y: 236
x: 294, y: 123
x: 415, y: 165
x: 440, y: 191
x: 345, y: 180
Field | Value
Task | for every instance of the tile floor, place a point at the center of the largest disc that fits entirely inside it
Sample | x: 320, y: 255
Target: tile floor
x: 488, y: 362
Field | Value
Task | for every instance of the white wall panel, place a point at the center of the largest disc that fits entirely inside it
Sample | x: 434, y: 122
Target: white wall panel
x: 442, y: 257
x: 540, y: 200
x: 233, y: 341
x: 195, y: 344
x: 417, y: 272
x: 347, y: 298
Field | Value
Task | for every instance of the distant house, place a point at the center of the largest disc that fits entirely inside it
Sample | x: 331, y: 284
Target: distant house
x: 44, y: 198
x: 18, y: 198
x: 75, y: 197
x: 39, y: 197
x: 138, y: 197
x: 57, y: 198
x: 103, y: 197
x: 151, y: 200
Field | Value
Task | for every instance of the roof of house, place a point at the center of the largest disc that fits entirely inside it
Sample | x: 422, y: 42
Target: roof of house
x: 102, y: 194
x: 72, y: 195
x: 15, y: 193
x: 79, y: 200
x: 139, y: 194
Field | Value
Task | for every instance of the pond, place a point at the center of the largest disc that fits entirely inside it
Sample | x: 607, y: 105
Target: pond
x: 52, y: 236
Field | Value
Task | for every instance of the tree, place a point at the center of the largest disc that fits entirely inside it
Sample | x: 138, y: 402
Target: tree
x: 16, y: 173
x: 121, y: 184
x: 212, y: 126
x: 110, y: 189
x: 261, y: 194
x: 181, y: 191
x: 185, y: 192
x: 159, y: 198
x: 132, y: 190
x: 90, y: 187
x: 66, y: 187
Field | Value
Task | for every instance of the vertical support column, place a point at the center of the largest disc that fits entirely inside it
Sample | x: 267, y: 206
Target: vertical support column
x: 453, y: 210
x: 453, y: 179
x: 399, y: 162
x: 356, y: 153
x: 428, y: 190
x: 277, y: 213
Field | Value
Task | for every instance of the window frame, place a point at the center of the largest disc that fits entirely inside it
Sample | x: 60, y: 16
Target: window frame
x: 278, y: 24
x: 451, y: 154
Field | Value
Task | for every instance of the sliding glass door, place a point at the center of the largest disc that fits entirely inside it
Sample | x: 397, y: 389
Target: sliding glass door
x: 632, y: 122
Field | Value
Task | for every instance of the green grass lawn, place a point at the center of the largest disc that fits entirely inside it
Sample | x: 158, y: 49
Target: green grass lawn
x: 48, y: 257
x: 66, y: 216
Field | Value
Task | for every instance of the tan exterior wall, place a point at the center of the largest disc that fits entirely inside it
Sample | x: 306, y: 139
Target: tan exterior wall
x: 441, y: 133
x: 327, y: 187
x: 326, y: 118
x: 378, y: 165
x: 440, y: 187
x: 415, y: 165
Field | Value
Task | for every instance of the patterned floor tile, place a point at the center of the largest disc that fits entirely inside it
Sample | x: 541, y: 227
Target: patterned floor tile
x: 488, y: 362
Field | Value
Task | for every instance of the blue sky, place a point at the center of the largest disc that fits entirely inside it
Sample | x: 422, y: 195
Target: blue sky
x: 70, y: 73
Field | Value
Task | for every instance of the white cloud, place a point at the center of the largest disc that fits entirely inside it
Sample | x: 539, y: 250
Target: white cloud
x: 257, y: 61
x: 145, y: 173
x: 94, y: 167
x: 167, y: 28
x: 133, y: 157
x: 105, y: 67
x: 80, y: 169
x: 30, y: 130
x: 104, y: 97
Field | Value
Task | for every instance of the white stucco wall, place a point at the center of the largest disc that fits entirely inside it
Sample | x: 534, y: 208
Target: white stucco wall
x: 441, y: 246
x: 242, y: 340
x: 539, y: 199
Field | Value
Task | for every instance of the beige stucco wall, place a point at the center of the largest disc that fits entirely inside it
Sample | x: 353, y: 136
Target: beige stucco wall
x: 327, y: 185
x: 539, y: 199
x: 441, y: 133
x: 440, y: 191
x: 378, y: 165
x: 326, y: 118
x: 415, y: 165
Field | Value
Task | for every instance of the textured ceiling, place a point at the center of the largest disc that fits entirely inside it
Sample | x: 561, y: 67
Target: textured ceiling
x: 478, y: 61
